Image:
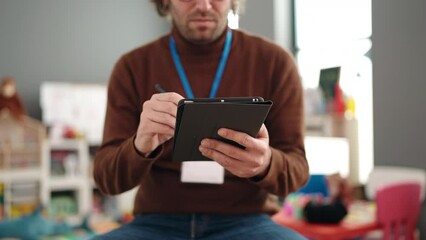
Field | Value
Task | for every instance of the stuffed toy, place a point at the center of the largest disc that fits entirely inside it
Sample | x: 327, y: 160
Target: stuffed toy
x: 10, y: 100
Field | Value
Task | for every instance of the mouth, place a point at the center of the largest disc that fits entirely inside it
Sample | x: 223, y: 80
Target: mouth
x: 201, y: 20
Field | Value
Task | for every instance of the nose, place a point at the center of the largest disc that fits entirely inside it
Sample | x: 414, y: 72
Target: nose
x: 203, y: 5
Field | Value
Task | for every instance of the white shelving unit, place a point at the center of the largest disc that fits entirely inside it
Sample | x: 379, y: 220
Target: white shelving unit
x: 75, y: 178
x: 335, y: 131
x: 30, y: 173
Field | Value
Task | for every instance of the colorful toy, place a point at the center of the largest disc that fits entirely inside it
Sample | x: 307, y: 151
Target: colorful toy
x: 35, y: 226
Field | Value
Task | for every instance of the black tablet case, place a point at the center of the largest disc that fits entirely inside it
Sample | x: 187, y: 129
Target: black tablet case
x: 201, y: 118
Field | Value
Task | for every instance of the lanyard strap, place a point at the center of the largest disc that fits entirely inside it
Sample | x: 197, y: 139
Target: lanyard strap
x: 219, y: 71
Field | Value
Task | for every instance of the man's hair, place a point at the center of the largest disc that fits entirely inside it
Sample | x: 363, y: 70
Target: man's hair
x: 163, y: 11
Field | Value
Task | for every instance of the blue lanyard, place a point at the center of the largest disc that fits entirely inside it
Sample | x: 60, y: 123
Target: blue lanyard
x: 219, y: 71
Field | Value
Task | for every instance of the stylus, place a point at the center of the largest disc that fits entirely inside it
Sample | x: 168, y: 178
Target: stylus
x: 159, y: 88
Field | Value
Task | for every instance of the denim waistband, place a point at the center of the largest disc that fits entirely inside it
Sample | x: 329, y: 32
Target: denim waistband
x: 193, y: 226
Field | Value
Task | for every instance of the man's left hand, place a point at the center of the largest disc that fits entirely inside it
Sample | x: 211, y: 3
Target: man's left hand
x: 253, y: 161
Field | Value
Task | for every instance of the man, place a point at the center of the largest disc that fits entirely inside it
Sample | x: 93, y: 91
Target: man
x: 201, y: 57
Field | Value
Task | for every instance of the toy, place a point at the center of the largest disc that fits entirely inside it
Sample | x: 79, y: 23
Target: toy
x: 35, y: 226
x: 9, y: 98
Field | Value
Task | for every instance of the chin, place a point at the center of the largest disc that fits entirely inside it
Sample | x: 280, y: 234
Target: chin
x: 202, y: 40
x: 203, y: 37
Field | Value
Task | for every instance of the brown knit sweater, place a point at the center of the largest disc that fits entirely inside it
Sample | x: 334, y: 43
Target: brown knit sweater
x: 255, y: 67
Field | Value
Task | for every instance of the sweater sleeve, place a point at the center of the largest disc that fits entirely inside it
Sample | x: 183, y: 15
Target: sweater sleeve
x: 288, y: 170
x: 118, y: 166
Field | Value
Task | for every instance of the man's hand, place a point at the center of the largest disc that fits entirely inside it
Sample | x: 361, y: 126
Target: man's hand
x: 252, y: 161
x: 157, y: 121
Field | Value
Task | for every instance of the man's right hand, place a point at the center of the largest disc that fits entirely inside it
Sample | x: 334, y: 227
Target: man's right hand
x: 157, y: 121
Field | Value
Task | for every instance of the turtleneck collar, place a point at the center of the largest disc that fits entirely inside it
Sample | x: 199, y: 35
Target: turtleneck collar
x: 185, y: 47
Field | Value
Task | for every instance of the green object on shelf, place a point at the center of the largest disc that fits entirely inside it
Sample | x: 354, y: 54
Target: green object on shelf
x: 63, y: 206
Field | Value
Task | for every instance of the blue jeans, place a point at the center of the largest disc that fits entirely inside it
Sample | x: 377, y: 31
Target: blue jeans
x: 201, y: 226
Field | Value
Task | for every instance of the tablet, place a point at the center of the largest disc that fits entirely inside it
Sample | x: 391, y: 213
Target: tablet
x: 201, y: 118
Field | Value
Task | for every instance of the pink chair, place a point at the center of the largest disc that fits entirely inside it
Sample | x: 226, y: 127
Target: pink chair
x: 398, y: 208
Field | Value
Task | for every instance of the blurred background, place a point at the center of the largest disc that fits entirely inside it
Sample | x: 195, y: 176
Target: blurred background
x: 368, y: 55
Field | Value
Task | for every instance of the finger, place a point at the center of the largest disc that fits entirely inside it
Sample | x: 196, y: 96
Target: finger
x: 234, y: 166
x: 263, y: 132
x: 239, y: 137
x: 163, y: 119
x: 167, y: 97
x: 154, y: 106
x: 224, y: 160
x: 152, y: 127
x: 226, y: 149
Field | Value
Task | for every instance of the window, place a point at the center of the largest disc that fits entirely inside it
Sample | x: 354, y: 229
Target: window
x: 331, y: 33
x: 233, y: 20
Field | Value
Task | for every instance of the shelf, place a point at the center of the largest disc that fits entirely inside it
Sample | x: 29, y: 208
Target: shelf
x: 67, y: 174
x: 334, y: 126
x: 67, y: 183
x: 67, y: 144
x: 11, y: 175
